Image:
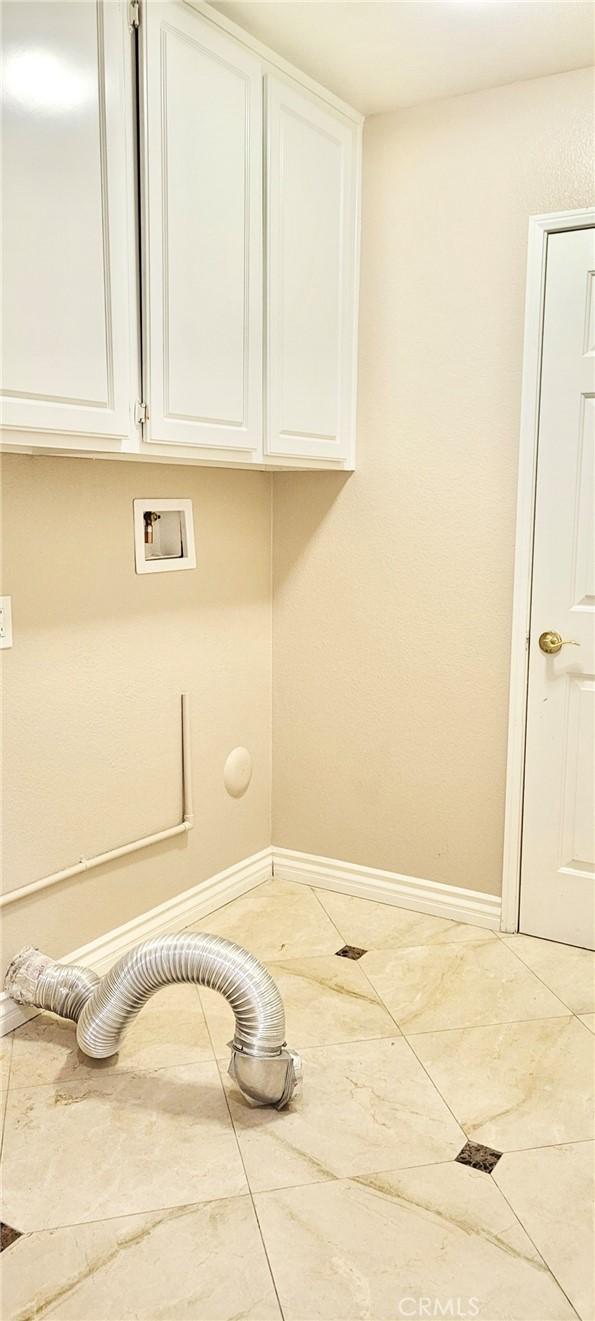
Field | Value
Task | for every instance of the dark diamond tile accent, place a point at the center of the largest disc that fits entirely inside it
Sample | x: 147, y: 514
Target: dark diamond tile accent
x: 479, y: 1157
x: 8, y: 1235
x: 350, y: 952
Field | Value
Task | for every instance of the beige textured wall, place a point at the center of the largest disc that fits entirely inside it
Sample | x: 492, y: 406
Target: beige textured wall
x: 392, y: 587
x: 392, y: 601
x: 91, y: 746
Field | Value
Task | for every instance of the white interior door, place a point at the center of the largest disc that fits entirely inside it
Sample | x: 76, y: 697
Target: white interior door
x: 558, y: 850
x: 312, y: 182
x: 68, y: 299
x: 203, y: 232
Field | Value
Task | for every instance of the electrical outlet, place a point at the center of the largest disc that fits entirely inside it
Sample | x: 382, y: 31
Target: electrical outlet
x: 5, y: 621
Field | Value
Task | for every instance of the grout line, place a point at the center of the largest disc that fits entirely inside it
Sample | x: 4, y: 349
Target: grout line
x: 404, y: 947
x: 536, y: 974
x: 470, y: 1137
x: 314, y: 891
x: 331, y: 1045
x: 241, y: 1156
x: 546, y: 1146
x: 399, y: 1034
x: 248, y: 1184
x: 126, y: 1072
x: 350, y: 1178
x: 480, y: 1027
x: 80, y: 1074
x: 310, y: 890
x: 393, y: 1169
x: 330, y: 919
x: 319, y: 1183
x: 128, y: 1215
x: 354, y: 1041
x: 422, y: 944
x: 462, y: 946
x: 546, y: 1265
x: 401, y: 908
x: 502, y: 1022
x: 381, y: 1001
x: 438, y: 1091
x: 4, y: 1097
x: 265, y: 1250
x: 579, y: 1019
x: 461, y: 1027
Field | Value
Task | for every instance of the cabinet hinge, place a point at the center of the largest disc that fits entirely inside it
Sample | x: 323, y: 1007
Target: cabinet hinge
x: 141, y: 412
x: 134, y: 14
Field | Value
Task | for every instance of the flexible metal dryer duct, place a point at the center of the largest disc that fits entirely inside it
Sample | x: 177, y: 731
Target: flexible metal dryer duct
x: 103, y: 1007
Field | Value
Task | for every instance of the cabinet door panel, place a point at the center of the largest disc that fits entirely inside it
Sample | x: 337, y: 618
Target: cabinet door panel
x: 203, y: 163
x: 67, y: 218
x: 311, y: 276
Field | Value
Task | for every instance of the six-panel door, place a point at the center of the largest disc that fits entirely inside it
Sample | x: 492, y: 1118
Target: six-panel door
x: 202, y: 233
x: 68, y: 297
x: 312, y: 182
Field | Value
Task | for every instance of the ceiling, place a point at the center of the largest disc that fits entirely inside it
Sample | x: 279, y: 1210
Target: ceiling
x: 380, y: 56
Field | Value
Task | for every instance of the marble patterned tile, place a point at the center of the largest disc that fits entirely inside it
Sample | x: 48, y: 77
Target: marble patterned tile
x: 458, y: 985
x: 175, y: 1265
x: 278, y: 920
x: 327, y: 1000
x: 170, y: 1030
x: 589, y: 1021
x: 382, y: 926
x: 568, y: 971
x: 518, y: 1084
x: 552, y: 1191
x: 365, y: 1105
x: 438, y: 1241
x: 6, y: 1044
x: 117, y: 1143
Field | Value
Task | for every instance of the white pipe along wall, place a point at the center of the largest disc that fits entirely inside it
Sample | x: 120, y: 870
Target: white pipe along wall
x: 86, y: 864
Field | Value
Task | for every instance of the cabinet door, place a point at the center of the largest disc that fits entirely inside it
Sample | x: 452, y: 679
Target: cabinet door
x: 313, y: 180
x: 68, y: 229
x: 203, y: 233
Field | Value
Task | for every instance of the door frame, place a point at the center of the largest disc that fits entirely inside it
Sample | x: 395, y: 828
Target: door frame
x: 540, y: 228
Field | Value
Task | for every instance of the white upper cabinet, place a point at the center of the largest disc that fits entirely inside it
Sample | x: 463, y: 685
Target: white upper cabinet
x: 68, y: 297
x: 312, y: 186
x: 203, y: 233
x: 170, y: 187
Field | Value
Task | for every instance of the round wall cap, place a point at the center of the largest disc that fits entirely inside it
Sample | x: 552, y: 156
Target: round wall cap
x: 237, y: 772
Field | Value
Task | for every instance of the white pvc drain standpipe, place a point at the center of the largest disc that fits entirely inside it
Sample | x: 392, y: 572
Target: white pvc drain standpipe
x: 103, y: 1008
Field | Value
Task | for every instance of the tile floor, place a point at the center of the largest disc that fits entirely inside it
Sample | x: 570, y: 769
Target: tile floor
x: 148, y: 1188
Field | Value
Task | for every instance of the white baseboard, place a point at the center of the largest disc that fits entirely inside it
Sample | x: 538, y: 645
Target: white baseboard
x: 309, y: 869
x: 387, y: 887
x: 173, y: 915
x: 13, y: 1015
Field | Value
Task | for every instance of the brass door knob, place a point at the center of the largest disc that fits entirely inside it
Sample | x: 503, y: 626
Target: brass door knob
x: 552, y: 643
